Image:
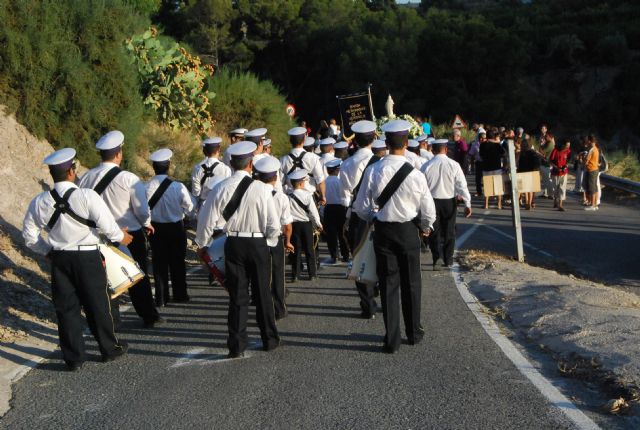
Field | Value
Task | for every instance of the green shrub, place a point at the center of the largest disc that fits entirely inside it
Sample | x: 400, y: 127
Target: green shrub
x: 624, y: 164
x: 243, y: 100
x: 173, y: 82
x: 65, y: 73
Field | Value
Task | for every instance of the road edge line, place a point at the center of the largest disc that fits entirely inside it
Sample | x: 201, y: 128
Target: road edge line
x: 544, y: 386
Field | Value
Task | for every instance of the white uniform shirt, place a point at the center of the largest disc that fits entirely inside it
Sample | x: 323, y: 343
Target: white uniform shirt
x: 324, y: 157
x: 411, y: 197
x: 425, y: 154
x: 311, y: 163
x: 446, y: 179
x: 175, y: 203
x: 220, y: 172
x: 126, y: 196
x: 351, y: 170
x: 415, y: 160
x: 67, y: 233
x: 256, y: 213
x: 335, y: 193
x: 283, y: 207
x: 299, y: 214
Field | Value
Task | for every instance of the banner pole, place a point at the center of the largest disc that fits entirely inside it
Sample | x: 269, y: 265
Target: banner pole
x: 373, y: 116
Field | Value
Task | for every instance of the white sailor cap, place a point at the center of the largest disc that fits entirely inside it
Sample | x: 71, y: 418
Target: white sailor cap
x: 297, y: 131
x: 413, y: 143
x: 379, y: 144
x: 327, y: 141
x: 256, y: 132
x: 298, y: 175
x: 422, y: 138
x: 309, y: 141
x: 161, y: 155
x: 240, y: 131
x: 364, y: 127
x: 431, y: 140
x: 398, y: 126
x: 267, y: 166
x: 212, y: 141
x: 481, y: 130
x: 267, y: 142
x: 242, y: 149
x: 333, y: 163
x: 439, y: 142
x: 62, y: 159
x: 113, y: 139
x: 341, y: 145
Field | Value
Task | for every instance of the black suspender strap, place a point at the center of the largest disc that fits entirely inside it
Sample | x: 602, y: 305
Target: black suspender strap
x: 106, y: 180
x: 297, y: 162
x: 236, y: 198
x: 62, y: 207
x: 372, y: 160
x: 393, y: 185
x: 157, y: 195
x: 208, y: 172
x: 299, y: 203
x: 273, y: 193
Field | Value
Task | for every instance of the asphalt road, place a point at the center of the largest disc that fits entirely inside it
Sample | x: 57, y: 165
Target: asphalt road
x: 329, y: 373
x: 601, y: 245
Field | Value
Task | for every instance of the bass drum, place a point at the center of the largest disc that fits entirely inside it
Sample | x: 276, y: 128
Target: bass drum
x: 122, y: 270
x: 214, y: 258
x: 363, y: 265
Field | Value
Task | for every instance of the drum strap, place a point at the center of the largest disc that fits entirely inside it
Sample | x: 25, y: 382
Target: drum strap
x: 299, y: 203
x: 372, y: 160
x: 208, y: 172
x: 393, y: 185
x: 157, y: 195
x: 236, y: 198
x: 106, y: 180
x: 297, y: 162
x: 273, y: 193
x: 62, y: 207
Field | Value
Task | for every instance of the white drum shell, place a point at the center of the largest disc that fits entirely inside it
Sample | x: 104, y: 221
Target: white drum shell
x: 216, y: 252
x: 122, y: 270
x: 363, y: 265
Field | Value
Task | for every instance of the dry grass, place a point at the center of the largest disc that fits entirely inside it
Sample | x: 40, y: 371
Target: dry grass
x: 624, y: 164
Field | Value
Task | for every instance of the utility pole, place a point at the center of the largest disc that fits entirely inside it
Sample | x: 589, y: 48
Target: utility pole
x: 515, y: 203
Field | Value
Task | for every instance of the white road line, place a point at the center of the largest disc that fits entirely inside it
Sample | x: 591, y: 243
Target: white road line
x: 467, y: 234
x: 553, y: 395
x: 545, y: 253
x: 187, y: 358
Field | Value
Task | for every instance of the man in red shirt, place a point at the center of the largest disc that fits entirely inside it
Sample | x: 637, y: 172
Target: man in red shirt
x: 558, y: 160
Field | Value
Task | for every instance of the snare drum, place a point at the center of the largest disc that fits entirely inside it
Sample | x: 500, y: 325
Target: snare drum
x: 122, y: 270
x: 363, y: 265
x: 214, y: 258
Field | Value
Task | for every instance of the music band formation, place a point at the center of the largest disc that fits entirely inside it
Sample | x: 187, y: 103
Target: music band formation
x: 373, y: 198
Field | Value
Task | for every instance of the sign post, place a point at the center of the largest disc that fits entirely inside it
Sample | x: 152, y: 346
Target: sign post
x: 515, y: 203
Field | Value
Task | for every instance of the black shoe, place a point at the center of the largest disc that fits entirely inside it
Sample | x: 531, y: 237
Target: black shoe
x: 367, y: 315
x: 416, y: 338
x: 376, y: 291
x: 154, y: 323
x: 447, y: 265
x: 74, y: 366
x: 389, y: 350
x: 282, y: 315
x: 272, y: 347
x: 117, y: 354
x: 234, y: 355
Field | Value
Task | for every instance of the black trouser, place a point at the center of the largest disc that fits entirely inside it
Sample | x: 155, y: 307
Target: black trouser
x: 79, y: 281
x: 478, y: 173
x: 444, y: 230
x: 334, y: 219
x: 277, y: 279
x: 397, y: 248
x: 247, y: 260
x: 302, y: 238
x: 169, y: 246
x: 141, y: 296
x: 357, y: 228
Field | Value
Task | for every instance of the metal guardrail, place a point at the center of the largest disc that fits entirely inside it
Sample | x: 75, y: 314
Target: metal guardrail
x: 620, y: 183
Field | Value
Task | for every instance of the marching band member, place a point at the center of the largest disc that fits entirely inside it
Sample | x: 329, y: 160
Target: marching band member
x: 169, y: 202
x: 299, y: 158
x: 126, y: 197
x: 411, y: 154
x: 326, y: 149
x: 257, y: 136
x: 341, y: 150
x: 351, y: 175
x: 73, y: 217
x: 251, y: 219
x: 446, y: 181
x: 305, y: 221
x: 267, y: 170
x: 209, y: 171
x: 425, y: 147
x: 393, y: 194
x: 235, y: 136
x: 379, y: 148
x: 335, y: 212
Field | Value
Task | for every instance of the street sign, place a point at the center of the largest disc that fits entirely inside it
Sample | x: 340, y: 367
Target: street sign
x: 291, y: 110
x: 458, y: 122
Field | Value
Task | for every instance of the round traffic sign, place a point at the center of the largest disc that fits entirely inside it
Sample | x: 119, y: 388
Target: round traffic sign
x: 291, y: 110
